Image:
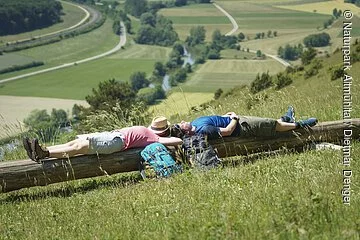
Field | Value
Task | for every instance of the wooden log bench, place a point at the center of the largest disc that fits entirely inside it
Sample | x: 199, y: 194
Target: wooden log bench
x: 27, y: 173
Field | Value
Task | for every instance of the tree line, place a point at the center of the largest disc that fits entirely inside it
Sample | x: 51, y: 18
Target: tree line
x: 18, y: 16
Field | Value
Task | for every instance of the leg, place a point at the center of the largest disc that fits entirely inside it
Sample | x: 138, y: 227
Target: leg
x: 75, y: 147
x: 284, y: 126
x: 60, y: 146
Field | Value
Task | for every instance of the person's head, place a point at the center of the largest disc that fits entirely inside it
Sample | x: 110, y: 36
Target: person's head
x: 185, y: 126
x: 160, y: 126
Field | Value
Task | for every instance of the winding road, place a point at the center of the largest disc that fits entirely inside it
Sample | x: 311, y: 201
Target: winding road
x: 122, y: 42
x: 236, y: 27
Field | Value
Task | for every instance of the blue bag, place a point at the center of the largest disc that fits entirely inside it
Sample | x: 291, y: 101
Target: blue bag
x: 159, y: 158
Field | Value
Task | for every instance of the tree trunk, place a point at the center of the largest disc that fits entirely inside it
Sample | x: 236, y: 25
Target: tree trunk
x: 26, y: 173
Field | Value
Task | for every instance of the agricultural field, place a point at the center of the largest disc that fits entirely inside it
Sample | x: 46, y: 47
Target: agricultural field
x: 72, y: 16
x: 235, y: 54
x: 291, y: 26
x: 207, y: 15
x: 138, y: 51
x: 10, y: 59
x: 13, y: 110
x: 227, y: 73
x: 179, y: 102
x: 323, y: 7
x: 86, y: 45
x: 76, y: 82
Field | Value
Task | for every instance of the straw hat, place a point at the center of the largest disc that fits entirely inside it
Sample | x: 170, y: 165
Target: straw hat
x: 159, y: 125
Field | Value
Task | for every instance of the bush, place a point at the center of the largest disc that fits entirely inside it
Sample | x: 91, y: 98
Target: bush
x: 337, y: 73
x: 213, y: 54
x: 308, y: 55
x: 150, y: 95
x: 218, y: 93
x: 282, y: 80
x: 317, y: 40
x: 261, y: 82
x: 21, y: 67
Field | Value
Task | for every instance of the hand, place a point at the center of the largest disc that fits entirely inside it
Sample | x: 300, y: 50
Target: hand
x: 230, y: 113
x: 234, y: 116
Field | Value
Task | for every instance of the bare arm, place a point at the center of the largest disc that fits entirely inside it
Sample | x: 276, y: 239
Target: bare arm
x: 170, y: 141
x: 229, y: 128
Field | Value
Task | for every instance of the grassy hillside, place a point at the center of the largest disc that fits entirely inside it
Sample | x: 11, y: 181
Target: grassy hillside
x: 296, y: 196
x: 292, y: 196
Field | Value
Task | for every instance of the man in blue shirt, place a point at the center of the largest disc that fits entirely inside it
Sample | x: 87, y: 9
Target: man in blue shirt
x: 231, y: 124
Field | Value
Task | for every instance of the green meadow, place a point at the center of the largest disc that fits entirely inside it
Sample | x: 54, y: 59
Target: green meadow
x: 207, y: 15
x: 10, y: 59
x: 227, y: 73
x: 76, y: 82
x: 82, y: 46
x: 72, y: 16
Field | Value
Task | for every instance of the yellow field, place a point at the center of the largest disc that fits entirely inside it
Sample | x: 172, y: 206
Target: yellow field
x: 142, y: 52
x: 180, y: 103
x: 13, y: 110
x: 324, y: 7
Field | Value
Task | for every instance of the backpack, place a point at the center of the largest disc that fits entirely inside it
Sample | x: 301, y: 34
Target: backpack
x: 199, y: 153
x: 159, y: 158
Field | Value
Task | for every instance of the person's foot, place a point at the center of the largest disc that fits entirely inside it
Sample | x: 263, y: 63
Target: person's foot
x: 27, y: 146
x: 37, y: 151
x: 310, y: 122
x: 289, y: 115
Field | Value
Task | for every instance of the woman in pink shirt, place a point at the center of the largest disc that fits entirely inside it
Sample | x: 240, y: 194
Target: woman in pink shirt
x: 101, y: 143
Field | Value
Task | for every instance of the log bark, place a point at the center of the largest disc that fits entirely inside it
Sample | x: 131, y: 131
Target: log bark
x: 26, y: 173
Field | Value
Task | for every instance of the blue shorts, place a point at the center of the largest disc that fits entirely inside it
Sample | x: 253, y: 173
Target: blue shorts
x: 106, y: 143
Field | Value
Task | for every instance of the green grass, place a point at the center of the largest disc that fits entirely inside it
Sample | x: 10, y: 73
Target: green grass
x: 73, y: 15
x: 179, y: 102
x: 86, y: 45
x: 137, y: 51
x: 236, y: 54
x: 227, y: 73
x: 199, y: 20
x: 76, y: 82
x: 9, y: 59
x: 285, y: 197
x: 207, y: 15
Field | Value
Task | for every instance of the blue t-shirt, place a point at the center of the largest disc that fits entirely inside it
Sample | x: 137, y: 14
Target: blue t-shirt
x: 202, y: 124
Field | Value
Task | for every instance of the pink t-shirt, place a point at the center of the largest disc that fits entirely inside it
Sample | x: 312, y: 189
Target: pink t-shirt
x: 138, y: 136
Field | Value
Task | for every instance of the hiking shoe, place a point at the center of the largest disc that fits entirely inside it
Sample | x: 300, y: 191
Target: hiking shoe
x: 37, y: 151
x: 289, y: 115
x: 27, y: 146
x: 310, y: 122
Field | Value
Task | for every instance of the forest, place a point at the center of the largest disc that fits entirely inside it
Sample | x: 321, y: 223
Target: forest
x: 18, y: 16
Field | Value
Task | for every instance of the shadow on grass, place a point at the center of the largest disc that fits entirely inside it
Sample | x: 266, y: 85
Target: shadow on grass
x: 74, y: 187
